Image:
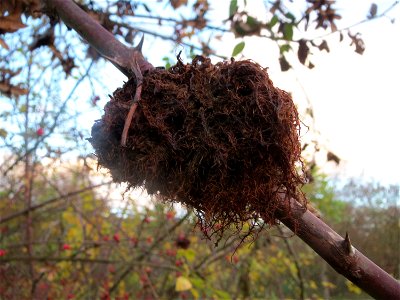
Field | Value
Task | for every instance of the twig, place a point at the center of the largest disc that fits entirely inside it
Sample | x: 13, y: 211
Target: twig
x: 138, y: 92
x: 53, y: 127
x: 296, y: 263
x: 50, y: 201
x: 359, y: 22
x: 135, y: 260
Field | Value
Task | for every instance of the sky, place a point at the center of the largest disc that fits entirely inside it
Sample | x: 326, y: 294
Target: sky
x: 355, y: 98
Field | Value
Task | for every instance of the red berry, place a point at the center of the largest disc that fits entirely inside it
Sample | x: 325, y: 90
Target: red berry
x: 66, y: 247
x: 40, y: 131
x: 235, y: 259
x: 147, y: 220
x: 149, y: 240
x: 106, y: 238
x: 179, y: 263
x: 3, y: 252
x: 143, y: 278
x: 170, y: 215
x: 134, y: 240
x: 170, y: 252
x: 116, y: 238
x: 111, y: 269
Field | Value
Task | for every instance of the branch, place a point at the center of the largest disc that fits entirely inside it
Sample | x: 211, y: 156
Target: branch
x: 383, y: 14
x: 296, y: 263
x: 45, y: 203
x: 97, y: 36
x: 47, y: 259
x: 131, y: 264
x: 338, y: 252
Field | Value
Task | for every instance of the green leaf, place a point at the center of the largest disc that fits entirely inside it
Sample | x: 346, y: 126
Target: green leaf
x: 167, y: 62
x: 288, y: 31
x: 233, y: 7
x: 290, y: 16
x: 238, y: 48
x: 188, y: 254
x: 284, y: 48
x: 222, y: 294
x: 273, y: 21
x: 251, y: 21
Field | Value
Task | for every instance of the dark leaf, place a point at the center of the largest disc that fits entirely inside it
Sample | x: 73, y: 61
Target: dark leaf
x: 284, y: 63
x: 146, y: 7
x: 290, y: 16
x: 358, y: 42
x: 275, y: 7
x: 324, y: 46
x: 303, y: 51
x: 333, y: 157
x: 307, y: 20
x: 177, y: 3
x: 341, y: 37
x: 45, y: 39
x: 311, y: 65
x: 373, y: 10
x: 333, y: 27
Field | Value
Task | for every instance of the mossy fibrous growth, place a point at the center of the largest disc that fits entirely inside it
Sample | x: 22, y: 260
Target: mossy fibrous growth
x: 218, y: 138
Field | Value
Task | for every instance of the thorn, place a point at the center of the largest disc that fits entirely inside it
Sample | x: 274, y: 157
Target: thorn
x: 347, y: 245
x: 140, y: 45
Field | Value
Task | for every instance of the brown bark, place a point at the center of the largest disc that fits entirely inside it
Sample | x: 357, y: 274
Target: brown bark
x: 334, y: 249
x: 339, y: 252
x: 98, y: 37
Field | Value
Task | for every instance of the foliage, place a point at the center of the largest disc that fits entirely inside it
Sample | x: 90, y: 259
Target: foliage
x: 82, y: 249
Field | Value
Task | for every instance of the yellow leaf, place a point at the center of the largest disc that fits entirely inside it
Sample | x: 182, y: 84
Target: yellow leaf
x: 353, y: 288
x: 182, y: 284
x: 313, y: 285
x: 328, y: 284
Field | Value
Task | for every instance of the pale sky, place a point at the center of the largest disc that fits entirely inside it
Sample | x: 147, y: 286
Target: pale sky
x: 355, y: 97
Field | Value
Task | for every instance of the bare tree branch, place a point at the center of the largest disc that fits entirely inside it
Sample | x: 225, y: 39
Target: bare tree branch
x: 338, y: 252
x: 50, y: 201
x: 97, y: 36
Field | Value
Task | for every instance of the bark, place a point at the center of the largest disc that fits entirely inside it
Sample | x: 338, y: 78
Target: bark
x: 334, y: 249
x: 97, y: 36
x: 338, y: 252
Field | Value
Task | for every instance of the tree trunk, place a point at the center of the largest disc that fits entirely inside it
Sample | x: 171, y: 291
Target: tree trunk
x: 334, y: 249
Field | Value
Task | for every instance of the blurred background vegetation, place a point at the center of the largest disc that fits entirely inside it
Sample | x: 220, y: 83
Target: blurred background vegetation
x: 68, y: 232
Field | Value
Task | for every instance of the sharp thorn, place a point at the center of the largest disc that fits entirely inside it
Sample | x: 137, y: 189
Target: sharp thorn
x: 140, y: 45
x: 347, y: 245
